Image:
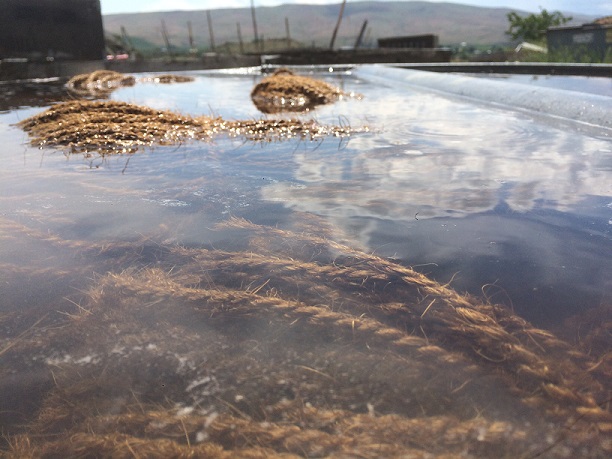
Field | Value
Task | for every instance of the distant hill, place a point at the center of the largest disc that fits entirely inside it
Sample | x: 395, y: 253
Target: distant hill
x: 314, y: 24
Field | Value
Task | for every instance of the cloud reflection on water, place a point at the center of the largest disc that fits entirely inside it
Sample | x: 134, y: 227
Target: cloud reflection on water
x: 527, y: 192
x: 440, y: 158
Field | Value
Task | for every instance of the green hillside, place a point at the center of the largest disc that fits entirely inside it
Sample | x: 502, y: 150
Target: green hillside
x: 313, y: 24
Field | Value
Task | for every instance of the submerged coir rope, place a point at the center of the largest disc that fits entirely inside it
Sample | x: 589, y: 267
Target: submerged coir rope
x: 292, y: 288
x: 540, y: 365
x: 306, y: 433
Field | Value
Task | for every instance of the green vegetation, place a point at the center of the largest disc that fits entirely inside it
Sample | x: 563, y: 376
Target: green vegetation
x: 577, y: 55
x: 137, y: 46
x: 533, y: 27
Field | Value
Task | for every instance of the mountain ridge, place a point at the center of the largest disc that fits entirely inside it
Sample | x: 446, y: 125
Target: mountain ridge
x: 454, y: 23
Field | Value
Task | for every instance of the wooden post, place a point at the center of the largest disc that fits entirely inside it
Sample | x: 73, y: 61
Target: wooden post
x: 288, y: 34
x: 210, y: 31
x: 240, y: 38
x: 190, y: 30
x: 166, y: 39
x: 333, y: 40
x: 127, y: 42
x: 367, y: 35
x: 255, y: 26
x: 363, y: 28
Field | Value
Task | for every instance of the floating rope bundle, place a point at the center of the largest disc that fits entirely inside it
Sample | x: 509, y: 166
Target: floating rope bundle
x: 101, y: 83
x: 119, y: 127
x: 283, y: 91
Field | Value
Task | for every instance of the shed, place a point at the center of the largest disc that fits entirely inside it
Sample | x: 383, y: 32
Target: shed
x: 586, y: 43
x: 39, y: 30
x: 412, y: 41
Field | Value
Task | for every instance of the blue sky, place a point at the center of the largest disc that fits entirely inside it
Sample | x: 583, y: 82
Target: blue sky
x: 588, y: 7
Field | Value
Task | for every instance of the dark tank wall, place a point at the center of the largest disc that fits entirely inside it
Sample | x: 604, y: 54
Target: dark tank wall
x: 51, y: 29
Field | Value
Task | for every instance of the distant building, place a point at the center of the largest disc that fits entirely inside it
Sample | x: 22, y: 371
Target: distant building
x: 585, y: 43
x: 413, y: 41
x: 51, y: 30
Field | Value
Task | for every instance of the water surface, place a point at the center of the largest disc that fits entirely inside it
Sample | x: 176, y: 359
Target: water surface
x: 513, y: 209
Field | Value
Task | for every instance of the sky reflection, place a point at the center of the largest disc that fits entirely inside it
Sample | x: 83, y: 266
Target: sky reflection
x: 437, y: 157
x: 478, y: 194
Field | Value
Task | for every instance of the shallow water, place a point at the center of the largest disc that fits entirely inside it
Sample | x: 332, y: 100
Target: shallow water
x: 512, y: 208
